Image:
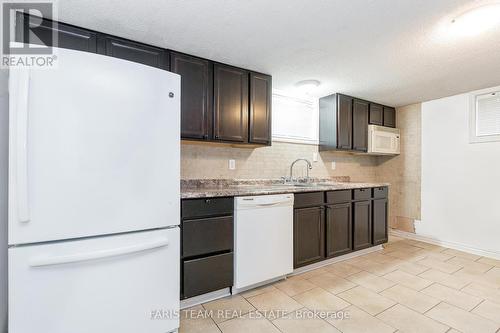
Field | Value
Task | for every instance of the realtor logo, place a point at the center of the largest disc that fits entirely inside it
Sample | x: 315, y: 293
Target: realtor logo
x: 27, y: 35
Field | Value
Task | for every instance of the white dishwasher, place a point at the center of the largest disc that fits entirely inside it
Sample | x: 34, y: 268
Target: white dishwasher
x: 263, y: 238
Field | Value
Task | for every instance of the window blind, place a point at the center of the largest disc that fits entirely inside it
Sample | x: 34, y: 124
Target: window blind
x: 488, y: 114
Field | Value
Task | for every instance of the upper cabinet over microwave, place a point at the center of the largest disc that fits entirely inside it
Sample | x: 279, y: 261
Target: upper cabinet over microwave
x: 219, y: 103
x: 344, y: 120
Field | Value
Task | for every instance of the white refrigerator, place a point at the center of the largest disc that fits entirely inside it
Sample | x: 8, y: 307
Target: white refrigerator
x: 94, y: 181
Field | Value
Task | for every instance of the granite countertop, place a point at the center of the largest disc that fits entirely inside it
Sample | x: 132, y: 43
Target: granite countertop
x: 209, y: 188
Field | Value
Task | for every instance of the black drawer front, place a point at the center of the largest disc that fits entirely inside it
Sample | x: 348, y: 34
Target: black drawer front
x: 362, y: 194
x: 339, y: 196
x: 380, y: 192
x: 208, y: 235
x: 308, y: 199
x: 204, y: 275
x: 192, y: 208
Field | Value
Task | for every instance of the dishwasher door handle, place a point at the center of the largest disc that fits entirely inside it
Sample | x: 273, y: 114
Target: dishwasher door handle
x: 269, y: 204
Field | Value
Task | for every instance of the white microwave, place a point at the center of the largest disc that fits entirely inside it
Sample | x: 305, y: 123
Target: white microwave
x: 383, y: 140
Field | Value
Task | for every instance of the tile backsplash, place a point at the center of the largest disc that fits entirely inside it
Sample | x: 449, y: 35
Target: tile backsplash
x: 204, y: 161
x: 201, y: 161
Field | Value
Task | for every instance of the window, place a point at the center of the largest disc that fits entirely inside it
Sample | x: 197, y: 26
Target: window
x: 485, y: 116
x: 295, y: 119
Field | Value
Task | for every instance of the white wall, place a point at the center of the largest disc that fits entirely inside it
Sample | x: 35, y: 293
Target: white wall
x: 4, y: 111
x: 460, y: 181
x: 295, y: 118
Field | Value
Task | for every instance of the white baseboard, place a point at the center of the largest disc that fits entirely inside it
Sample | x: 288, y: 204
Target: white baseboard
x: 451, y: 245
x: 336, y: 259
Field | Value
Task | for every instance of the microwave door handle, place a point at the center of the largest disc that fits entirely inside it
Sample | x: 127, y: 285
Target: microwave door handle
x: 21, y: 80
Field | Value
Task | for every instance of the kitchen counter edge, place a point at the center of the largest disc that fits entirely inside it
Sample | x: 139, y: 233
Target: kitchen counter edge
x: 242, y: 191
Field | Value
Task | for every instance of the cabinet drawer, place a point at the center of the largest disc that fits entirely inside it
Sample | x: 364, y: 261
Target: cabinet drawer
x: 192, y: 208
x: 208, y: 235
x: 309, y: 199
x: 208, y: 274
x: 380, y: 192
x: 339, y: 196
x: 362, y: 194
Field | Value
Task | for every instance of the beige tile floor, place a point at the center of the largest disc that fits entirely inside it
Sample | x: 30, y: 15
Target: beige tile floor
x: 409, y: 286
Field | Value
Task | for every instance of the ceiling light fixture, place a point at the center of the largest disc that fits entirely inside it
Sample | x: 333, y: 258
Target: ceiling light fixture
x: 477, y: 20
x: 307, y: 86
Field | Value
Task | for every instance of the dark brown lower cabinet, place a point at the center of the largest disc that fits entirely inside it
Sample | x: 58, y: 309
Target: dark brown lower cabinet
x: 338, y: 229
x: 309, y: 235
x: 207, y: 243
x: 362, y: 225
x: 379, y: 221
x: 204, y: 275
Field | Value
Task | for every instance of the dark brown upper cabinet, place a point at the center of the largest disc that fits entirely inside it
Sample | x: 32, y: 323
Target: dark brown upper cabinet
x: 389, y: 116
x: 196, y: 95
x: 260, y: 109
x: 360, y: 125
x: 29, y: 29
x: 132, y: 51
x: 343, y: 122
x: 335, y: 122
x: 219, y: 102
x: 376, y: 114
x: 230, y: 104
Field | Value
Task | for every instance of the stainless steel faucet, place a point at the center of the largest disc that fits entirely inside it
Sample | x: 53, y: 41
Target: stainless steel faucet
x: 309, y: 167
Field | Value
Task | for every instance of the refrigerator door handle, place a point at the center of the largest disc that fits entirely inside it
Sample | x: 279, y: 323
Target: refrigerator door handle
x: 75, y: 258
x: 21, y: 109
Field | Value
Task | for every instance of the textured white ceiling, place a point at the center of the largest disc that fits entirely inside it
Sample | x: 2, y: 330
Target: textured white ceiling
x: 382, y: 50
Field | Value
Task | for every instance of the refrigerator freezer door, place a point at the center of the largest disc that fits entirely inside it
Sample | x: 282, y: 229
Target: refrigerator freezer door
x: 123, y: 283
x: 94, y: 148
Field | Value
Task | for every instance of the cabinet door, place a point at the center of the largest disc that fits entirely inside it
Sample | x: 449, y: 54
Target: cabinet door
x: 338, y: 229
x: 379, y: 221
x: 230, y: 103
x: 196, y: 95
x: 132, y: 51
x: 376, y: 114
x: 51, y: 33
x: 344, y: 122
x: 360, y: 125
x: 204, y: 275
x: 362, y: 225
x: 260, y: 109
x: 389, y: 116
x: 308, y: 236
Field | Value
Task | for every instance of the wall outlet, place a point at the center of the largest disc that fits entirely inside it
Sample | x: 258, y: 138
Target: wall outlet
x: 315, y: 157
x: 232, y: 164
x: 334, y: 166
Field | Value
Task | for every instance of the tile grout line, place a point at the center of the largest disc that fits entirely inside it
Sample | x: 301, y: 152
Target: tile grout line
x: 478, y: 304
x: 396, y: 303
x: 425, y: 312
